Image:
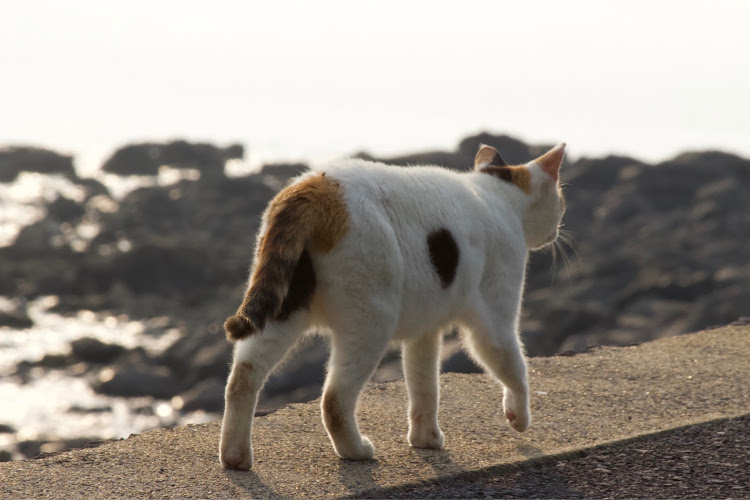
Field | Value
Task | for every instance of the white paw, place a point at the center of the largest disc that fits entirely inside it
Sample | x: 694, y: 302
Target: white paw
x: 516, y: 410
x: 426, y: 437
x: 236, y: 456
x: 364, y: 451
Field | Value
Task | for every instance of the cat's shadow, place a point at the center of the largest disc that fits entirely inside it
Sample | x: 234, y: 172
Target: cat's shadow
x: 251, y: 483
x: 358, y: 476
x: 440, y: 461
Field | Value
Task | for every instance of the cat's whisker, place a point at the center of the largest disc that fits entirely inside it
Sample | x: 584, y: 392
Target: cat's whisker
x: 567, y: 238
x: 553, y: 269
x: 565, y: 257
x: 564, y: 239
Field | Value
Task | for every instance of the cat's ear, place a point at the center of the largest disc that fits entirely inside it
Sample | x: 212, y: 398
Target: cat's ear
x: 487, y: 156
x: 551, y: 160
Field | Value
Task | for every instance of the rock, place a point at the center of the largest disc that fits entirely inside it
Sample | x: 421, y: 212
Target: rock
x: 305, y: 367
x: 146, y: 158
x: 5, y: 456
x: 64, y: 209
x: 14, y: 160
x: 7, y: 429
x: 278, y: 175
x: 16, y: 320
x: 55, y: 447
x: 135, y: 380
x: 186, y: 348
x: 213, y: 361
x: 53, y: 361
x: 284, y: 170
x: 89, y: 409
x: 30, y: 447
x: 160, y: 268
x: 207, y: 395
x: 91, y: 350
x: 460, y: 362
x: 34, y: 239
x: 599, y: 174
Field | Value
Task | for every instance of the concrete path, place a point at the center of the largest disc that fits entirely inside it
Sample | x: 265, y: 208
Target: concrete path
x: 604, y: 396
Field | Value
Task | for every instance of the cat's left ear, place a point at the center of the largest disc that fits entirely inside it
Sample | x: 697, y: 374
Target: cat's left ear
x: 487, y: 156
x: 551, y: 161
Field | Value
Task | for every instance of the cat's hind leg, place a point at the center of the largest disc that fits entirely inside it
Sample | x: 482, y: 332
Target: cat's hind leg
x: 254, y: 359
x: 493, y: 341
x: 356, y: 349
x: 421, y: 358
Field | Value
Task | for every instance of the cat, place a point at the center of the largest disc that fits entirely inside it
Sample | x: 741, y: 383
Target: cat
x: 371, y: 255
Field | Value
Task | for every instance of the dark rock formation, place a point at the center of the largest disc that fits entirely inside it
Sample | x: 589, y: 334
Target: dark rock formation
x: 207, y: 395
x: 135, y: 379
x: 15, y: 160
x: 15, y: 320
x: 460, y: 362
x: 7, y: 429
x: 91, y: 350
x: 146, y: 158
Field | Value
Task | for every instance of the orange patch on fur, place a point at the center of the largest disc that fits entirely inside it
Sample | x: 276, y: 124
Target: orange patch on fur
x: 520, y: 176
x: 312, y: 205
x: 311, y: 211
x: 239, y: 382
x: 308, y: 215
x: 334, y: 419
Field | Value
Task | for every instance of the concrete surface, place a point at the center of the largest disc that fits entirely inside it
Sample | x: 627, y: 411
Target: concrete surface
x: 698, y: 461
x: 578, y: 402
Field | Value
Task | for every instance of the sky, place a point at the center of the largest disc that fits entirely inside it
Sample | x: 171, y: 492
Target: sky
x: 304, y: 79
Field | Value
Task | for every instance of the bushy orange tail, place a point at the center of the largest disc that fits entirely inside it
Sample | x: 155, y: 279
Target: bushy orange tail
x: 308, y: 214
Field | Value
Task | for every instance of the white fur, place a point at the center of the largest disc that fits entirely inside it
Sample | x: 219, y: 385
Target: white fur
x: 378, y: 286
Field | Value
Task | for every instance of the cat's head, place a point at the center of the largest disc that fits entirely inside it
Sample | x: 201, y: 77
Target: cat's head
x: 539, y: 181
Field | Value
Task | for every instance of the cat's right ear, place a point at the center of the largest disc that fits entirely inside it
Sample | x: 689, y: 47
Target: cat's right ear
x: 487, y: 156
x: 551, y: 161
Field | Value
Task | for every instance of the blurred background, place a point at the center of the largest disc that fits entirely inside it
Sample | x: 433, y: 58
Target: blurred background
x: 140, y: 141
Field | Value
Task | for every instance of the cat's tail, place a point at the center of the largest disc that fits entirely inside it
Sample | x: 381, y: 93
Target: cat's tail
x: 307, y: 214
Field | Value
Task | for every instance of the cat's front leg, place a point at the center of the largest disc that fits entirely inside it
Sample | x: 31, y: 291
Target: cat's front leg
x: 516, y: 407
x: 421, y: 359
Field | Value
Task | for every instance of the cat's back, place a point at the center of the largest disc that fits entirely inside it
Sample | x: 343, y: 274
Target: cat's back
x: 397, y: 188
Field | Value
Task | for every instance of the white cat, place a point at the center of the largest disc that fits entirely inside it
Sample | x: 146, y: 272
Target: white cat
x: 373, y: 254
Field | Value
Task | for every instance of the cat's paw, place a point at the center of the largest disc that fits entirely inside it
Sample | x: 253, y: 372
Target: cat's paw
x: 516, y: 411
x: 236, y: 457
x: 426, y: 437
x: 364, y: 451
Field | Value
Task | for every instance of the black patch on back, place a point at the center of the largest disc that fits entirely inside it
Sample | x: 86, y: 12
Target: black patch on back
x: 301, y: 287
x: 503, y: 173
x: 443, y: 255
